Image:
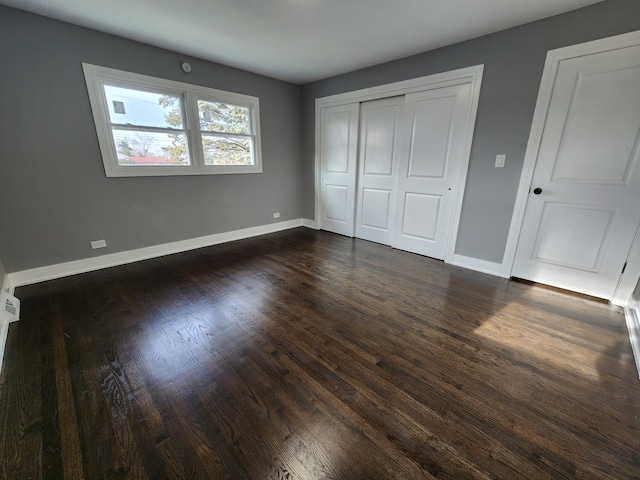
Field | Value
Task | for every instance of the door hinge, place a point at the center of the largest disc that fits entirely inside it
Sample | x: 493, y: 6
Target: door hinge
x: 624, y: 267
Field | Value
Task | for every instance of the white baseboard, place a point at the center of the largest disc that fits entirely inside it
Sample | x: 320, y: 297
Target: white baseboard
x: 310, y: 224
x: 632, y: 315
x: 50, y: 272
x: 478, y: 265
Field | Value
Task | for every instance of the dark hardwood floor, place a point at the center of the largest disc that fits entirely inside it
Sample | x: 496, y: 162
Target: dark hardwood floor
x: 307, y: 355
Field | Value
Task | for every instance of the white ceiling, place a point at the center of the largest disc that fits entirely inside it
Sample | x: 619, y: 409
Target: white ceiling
x: 299, y: 40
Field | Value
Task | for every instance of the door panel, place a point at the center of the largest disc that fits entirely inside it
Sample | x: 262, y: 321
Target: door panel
x: 336, y: 203
x: 421, y: 215
x: 377, y: 170
x: 435, y: 129
x: 431, y: 125
x: 586, y: 229
x: 379, y: 123
x: 577, y: 232
x: 338, y: 149
x: 591, y: 136
x: 375, y: 208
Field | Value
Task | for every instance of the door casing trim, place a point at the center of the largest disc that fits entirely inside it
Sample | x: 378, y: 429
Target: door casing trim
x: 471, y: 75
x: 551, y: 66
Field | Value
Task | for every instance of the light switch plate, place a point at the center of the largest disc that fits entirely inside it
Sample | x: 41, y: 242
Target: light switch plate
x: 500, y: 160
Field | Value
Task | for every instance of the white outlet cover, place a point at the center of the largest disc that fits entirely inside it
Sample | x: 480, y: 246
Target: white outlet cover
x: 98, y: 244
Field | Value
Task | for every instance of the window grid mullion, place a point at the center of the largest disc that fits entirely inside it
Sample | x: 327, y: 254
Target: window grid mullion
x: 142, y: 128
x: 223, y: 134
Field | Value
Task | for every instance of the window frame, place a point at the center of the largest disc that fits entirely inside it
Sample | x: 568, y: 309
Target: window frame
x: 97, y: 76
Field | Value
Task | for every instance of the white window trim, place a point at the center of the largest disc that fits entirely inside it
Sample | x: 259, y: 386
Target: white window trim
x: 96, y: 76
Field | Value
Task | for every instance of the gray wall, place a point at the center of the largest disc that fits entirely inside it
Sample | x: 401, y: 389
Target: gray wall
x: 636, y: 293
x: 513, y: 61
x: 55, y: 195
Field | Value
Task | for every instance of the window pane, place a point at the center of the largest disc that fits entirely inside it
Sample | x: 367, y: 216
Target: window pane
x: 135, y: 107
x: 150, y: 148
x: 223, y: 118
x: 226, y: 150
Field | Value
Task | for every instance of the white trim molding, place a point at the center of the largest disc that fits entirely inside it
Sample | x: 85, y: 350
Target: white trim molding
x: 477, y: 265
x: 551, y: 66
x: 4, y: 330
x: 6, y: 318
x: 310, y: 224
x: 632, y: 315
x: 41, y: 274
x: 471, y: 75
x: 629, y: 278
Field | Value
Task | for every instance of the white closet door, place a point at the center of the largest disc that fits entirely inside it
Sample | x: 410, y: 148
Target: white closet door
x: 584, y: 206
x: 377, y: 168
x: 435, y: 129
x: 338, y: 167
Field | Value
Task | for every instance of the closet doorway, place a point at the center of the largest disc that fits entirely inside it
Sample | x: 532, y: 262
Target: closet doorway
x: 392, y: 161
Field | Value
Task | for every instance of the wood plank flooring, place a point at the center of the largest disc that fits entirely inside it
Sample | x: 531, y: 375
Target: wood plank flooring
x: 307, y: 355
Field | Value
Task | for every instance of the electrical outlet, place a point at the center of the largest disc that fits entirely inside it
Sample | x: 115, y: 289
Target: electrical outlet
x: 276, y: 215
x: 500, y: 160
x: 98, y: 244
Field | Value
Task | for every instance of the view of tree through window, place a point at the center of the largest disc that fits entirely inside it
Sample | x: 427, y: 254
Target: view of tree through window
x: 225, y: 129
x: 233, y: 148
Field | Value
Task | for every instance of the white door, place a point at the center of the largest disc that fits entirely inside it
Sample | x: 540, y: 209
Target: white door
x: 338, y: 164
x: 435, y: 130
x: 584, y: 204
x: 377, y: 168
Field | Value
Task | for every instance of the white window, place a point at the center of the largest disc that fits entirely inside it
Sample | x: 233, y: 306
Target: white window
x: 149, y: 126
